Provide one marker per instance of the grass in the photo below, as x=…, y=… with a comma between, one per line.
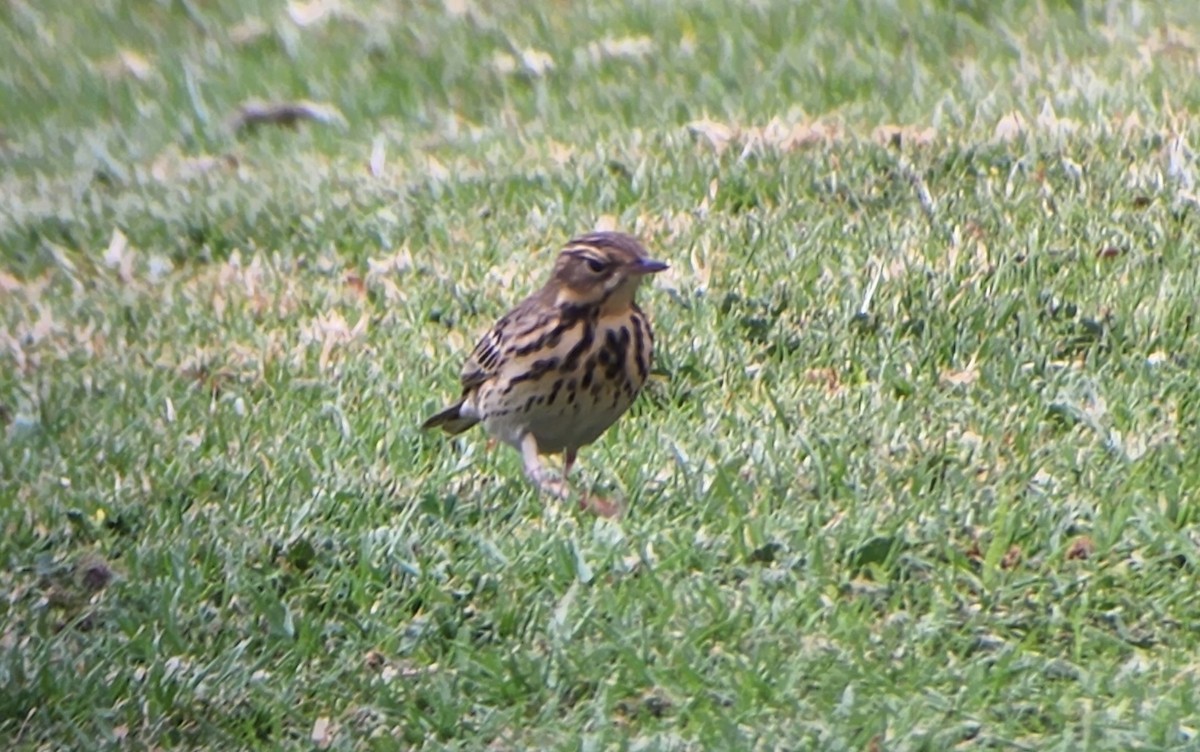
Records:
x=914, y=473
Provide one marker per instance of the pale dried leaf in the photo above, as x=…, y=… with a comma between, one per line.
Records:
x=329, y=331
x=158, y=266
x=437, y=171
x=126, y=64
x=1049, y=122
x=9, y=283
x=119, y=256
x=625, y=48
x=560, y=153
x=1130, y=125
x=504, y=63
x=248, y=31
x=322, y=733
x=606, y=223
x=777, y=135
x=718, y=135
x=687, y=44
x=172, y=165
x=1179, y=162
x=965, y=377
x=135, y=64
x=312, y=12
x=400, y=261
x=378, y=157
x=1009, y=127
x=456, y=8
x=535, y=62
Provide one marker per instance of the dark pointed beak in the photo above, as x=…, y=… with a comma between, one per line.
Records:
x=648, y=266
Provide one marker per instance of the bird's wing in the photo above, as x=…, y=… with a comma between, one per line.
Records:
x=485, y=360
x=492, y=351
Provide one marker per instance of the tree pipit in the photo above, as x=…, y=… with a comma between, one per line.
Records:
x=560, y=368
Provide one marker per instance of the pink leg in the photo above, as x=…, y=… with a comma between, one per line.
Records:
x=536, y=472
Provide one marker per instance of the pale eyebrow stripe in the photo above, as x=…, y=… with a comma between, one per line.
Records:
x=585, y=252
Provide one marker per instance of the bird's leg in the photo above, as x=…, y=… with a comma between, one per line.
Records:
x=536, y=471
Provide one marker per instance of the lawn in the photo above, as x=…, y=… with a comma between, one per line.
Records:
x=912, y=472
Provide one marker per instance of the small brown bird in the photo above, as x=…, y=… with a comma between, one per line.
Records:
x=561, y=367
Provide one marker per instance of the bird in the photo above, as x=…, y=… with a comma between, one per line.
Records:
x=557, y=370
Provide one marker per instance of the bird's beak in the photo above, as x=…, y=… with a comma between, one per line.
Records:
x=648, y=266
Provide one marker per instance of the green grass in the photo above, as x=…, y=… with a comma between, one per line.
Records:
x=914, y=474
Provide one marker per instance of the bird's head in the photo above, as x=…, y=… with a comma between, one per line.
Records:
x=601, y=269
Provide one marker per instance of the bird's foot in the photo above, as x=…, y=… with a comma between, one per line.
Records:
x=609, y=508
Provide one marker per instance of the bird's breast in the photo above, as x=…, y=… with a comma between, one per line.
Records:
x=570, y=388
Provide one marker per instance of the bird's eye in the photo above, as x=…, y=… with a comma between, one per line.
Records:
x=596, y=265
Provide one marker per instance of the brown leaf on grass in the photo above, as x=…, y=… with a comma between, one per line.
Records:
x=653, y=702
x=973, y=230
x=93, y=573
x=355, y=284
x=965, y=377
x=374, y=659
x=826, y=376
x=974, y=552
x=1011, y=558
x=254, y=113
x=1081, y=548
x=900, y=136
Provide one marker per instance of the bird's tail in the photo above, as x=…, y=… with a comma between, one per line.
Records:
x=451, y=420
